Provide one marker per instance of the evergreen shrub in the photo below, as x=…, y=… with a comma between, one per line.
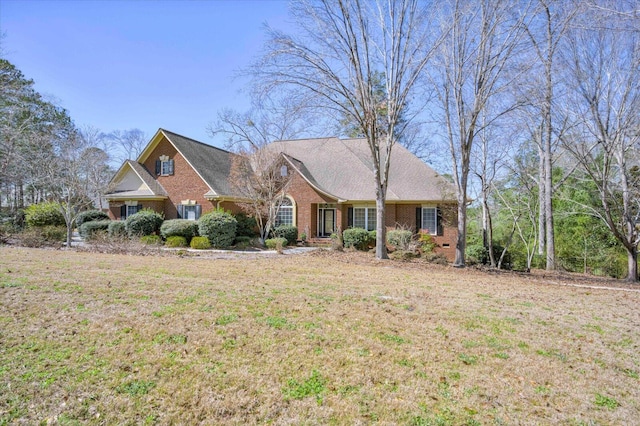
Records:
x=358, y=238
x=89, y=216
x=247, y=226
x=200, y=243
x=88, y=229
x=145, y=222
x=117, y=228
x=151, y=240
x=220, y=227
x=275, y=243
x=176, y=241
x=288, y=232
x=44, y=214
x=179, y=228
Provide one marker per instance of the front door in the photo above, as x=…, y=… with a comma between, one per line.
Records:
x=326, y=222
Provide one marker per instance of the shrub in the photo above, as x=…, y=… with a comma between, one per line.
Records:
x=220, y=227
x=403, y=255
x=88, y=229
x=145, y=222
x=357, y=238
x=242, y=242
x=117, y=228
x=200, y=243
x=400, y=238
x=179, y=228
x=43, y=236
x=44, y=214
x=90, y=216
x=427, y=243
x=437, y=258
x=151, y=240
x=247, y=226
x=288, y=232
x=176, y=241
x=276, y=244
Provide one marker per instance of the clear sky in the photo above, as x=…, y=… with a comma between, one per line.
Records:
x=145, y=64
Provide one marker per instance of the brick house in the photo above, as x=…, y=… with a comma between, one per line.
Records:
x=332, y=186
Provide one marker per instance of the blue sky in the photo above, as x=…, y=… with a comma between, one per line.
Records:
x=144, y=64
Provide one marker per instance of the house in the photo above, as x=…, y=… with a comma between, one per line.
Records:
x=332, y=186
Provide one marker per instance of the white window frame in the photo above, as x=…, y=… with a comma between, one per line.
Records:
x=165, y=168
x=369, y=217
x=289, y=210
x=434, y=219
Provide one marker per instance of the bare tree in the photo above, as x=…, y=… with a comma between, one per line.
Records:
x=488, y=164
x=261, y=178
x=269, y=119
x=550, y=23
x=128, y=144
x=342, y=48
x=603, y=57
x=472, y=70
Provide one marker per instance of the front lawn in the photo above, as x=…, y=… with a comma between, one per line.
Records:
x=321, y=338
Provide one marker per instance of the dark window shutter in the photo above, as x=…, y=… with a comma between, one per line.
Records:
x=123, y=211
x=440, y=225
x=180, y=211
x=198, y=211
x=350, y=217
x=418, y=219
x=158, y=167
x=170, y=167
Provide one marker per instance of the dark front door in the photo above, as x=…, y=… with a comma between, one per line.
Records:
x=326, y=222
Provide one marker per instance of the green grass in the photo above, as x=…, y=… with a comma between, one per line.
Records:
x=329, y=338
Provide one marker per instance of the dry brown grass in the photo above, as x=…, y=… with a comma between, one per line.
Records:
x=325, y=338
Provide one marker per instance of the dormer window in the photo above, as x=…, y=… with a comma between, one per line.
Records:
x=164, y=166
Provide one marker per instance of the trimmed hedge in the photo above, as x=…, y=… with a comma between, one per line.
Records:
x=145, y=222
x=90, y=216
x=357, y=238
x=220, y=227
x=89, y=229
x=44, y=214
x=176, y=241
x=179, y=228
x=117, y=228
x=288, y=232
x=200, y=243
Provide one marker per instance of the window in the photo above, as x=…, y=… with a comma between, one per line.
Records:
x=129, y=209
x=189, y=211
x=430, y=220
x=164, y=166
x=285, y=213
x=364, y=217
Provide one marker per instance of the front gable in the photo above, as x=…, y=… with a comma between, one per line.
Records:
x=133, y=181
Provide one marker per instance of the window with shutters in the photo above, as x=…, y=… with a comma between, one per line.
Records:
x=129, y=209
x=430, y=220
x=189, y=211
x=364, y=217
x=164, y=166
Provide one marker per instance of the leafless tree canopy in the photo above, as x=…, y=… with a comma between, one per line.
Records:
x=343, y=50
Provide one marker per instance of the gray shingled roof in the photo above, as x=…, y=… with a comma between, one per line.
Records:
x=343, y=168
x=213, y=164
